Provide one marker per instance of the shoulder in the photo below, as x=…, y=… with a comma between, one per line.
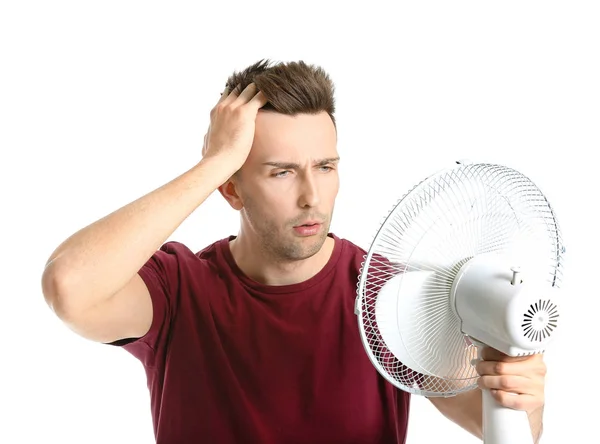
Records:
x=175, y=266
x=352, y=247
x=182, y=250
x=170, y=257
x=177, y=255
x=176, y=248
x=349, y=248
x=352, y=255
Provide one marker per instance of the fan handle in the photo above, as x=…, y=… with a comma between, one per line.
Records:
x=503, y=425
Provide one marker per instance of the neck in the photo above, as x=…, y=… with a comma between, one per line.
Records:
x=259, y=266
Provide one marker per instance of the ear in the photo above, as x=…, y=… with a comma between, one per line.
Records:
x=229, y=190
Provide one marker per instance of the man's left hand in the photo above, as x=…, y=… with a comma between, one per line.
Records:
x=515, y=382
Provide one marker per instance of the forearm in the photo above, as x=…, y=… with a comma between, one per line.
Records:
x=536, y=422
x=464, y=409
x=98, y=260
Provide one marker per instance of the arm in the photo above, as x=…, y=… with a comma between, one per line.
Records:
x=505, y=376
x=102, y=259
x=464, y=410
x=91, y=280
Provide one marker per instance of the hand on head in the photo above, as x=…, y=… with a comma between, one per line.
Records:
x=232, y=124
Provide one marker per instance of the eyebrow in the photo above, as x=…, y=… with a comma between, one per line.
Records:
x=291, y=165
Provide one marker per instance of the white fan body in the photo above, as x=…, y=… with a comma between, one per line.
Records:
x=495, y=306
x=468, y=258
x=499, y=308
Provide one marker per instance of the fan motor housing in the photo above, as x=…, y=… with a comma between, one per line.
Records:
x=499, y=306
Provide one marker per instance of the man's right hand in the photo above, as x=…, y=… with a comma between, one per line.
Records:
x=232, y=125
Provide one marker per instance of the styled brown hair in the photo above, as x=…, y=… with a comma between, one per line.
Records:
x=290, y=88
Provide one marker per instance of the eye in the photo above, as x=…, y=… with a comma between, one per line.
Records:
x=281, y=173
x=325, y=168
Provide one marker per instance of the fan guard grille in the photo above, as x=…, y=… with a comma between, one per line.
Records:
x=436, y=227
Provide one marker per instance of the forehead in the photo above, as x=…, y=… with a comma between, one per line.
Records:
x=285, y=138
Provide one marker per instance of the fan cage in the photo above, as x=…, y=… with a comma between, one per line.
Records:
x=439, y=225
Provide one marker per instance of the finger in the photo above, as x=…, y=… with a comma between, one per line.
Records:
x=510, y=383
x=517, y=402
x=231, y=95
x=247, y=94
x=224, y=94
x=259, y=100
x=491, y=354
x=523, y=368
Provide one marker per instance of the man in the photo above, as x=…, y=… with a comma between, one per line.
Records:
x=254, y=338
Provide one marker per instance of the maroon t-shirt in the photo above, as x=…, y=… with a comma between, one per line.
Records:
x=229, y=360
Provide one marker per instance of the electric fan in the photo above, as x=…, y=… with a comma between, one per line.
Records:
x=471, y=256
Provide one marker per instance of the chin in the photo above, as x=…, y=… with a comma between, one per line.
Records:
x=309, y=246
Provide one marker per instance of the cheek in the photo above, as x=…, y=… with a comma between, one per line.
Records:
x=277, y=190
x=330, y=188
x=276, y=197
x=269, y=202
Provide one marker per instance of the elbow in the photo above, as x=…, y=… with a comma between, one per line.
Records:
x=55, y=288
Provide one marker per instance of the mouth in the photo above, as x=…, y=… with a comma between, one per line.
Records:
x=308, y=229
x=310, y=223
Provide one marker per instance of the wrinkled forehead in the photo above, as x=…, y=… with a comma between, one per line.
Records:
x=293, y=138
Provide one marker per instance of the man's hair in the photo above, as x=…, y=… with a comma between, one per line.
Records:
x=290, y=88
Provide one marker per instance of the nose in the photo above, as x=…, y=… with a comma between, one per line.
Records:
x=309, y=193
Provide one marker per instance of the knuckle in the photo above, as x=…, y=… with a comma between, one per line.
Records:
x=219, y=108
x=508, y=399
x=501, y=396
x=505, y=382
x=499, y=368
x=239, y=111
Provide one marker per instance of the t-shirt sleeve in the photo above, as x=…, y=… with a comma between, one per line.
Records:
x=161, y=276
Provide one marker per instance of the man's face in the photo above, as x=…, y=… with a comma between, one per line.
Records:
x=289, y=183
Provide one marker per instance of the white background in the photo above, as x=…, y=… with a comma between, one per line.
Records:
x=101, y=102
